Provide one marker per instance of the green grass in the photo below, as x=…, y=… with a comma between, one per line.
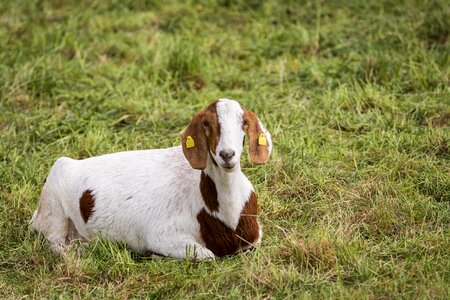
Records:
x=355, y=201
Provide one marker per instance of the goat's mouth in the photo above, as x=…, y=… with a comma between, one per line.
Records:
x=229, y=166
x=226, y=165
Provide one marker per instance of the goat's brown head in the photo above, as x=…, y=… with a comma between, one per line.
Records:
x=219, y=131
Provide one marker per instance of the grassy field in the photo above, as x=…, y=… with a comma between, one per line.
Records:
x=355, y=201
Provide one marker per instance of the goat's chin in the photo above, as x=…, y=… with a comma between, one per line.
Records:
x=229, y=167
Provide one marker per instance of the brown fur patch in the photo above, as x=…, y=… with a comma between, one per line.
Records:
x=248, y=227
x=209, y=192
x=259, y=154
x=221, y=239
x=87, y=203
x=212, y=132
x=204, y=128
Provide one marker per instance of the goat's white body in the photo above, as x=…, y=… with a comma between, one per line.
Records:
x=153, y=200
x=148, y=199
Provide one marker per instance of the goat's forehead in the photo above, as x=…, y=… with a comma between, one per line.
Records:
x=228, y=111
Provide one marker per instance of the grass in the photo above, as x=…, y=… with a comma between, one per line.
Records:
x=355, y=201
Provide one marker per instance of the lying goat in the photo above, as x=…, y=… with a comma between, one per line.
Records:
x=158, y=200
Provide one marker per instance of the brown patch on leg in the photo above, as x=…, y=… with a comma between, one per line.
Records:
x=218, y=237
x=87, y=203
x=221, y=239
x=209, y=192
x=248, y=227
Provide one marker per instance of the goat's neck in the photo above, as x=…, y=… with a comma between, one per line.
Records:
x=233, y=191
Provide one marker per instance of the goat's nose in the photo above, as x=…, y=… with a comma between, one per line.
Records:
x=226, y=154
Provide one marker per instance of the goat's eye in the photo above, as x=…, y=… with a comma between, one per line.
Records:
x=245, y=123
x=205, y=124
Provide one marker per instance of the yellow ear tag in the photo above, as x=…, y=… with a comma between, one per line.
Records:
x=262, y=139
x=190, y=142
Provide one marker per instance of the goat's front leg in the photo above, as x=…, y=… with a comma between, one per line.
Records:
x=182, y=248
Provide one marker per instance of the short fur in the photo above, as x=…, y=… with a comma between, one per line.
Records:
x=173, y=201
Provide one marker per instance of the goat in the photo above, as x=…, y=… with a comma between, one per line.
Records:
x=191, y=200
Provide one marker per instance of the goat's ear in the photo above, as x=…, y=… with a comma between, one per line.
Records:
x=259, y=139
x=193, y=141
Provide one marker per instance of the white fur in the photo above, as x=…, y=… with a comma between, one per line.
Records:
x=229, y=114
x=148, y=199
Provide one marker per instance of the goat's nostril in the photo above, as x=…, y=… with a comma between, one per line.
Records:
x=226, y=154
